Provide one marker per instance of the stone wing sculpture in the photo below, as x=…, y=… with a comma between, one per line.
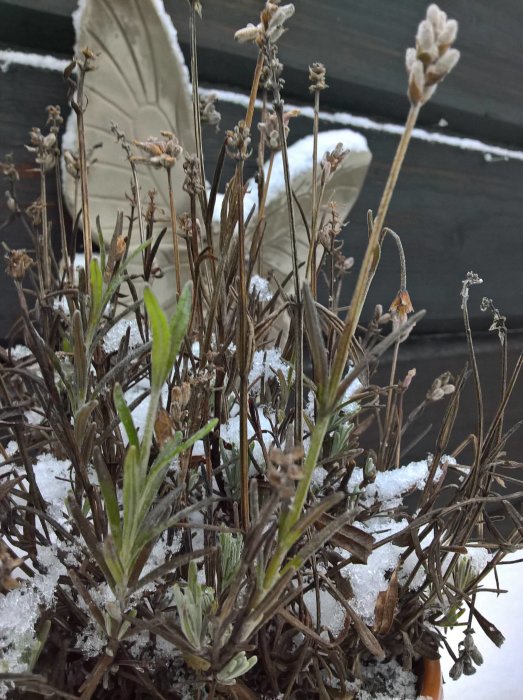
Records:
x=141, y=83
x=343, y=188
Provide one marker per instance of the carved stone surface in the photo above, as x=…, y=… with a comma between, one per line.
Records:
x=142, y=84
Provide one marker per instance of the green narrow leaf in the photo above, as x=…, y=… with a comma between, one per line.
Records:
x=160, y=353
x=89, y=536
x=161, y=464
x=125, y=416
x=131, y=495
x=82, y=417
x=113, y=561
x=149, y=534
x=180, y=322
x=109, y=496
x=316, y=342
x=97, y=306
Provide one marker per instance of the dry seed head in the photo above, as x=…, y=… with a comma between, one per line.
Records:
x=54, y=117
x=161, y=152
x=193, y=182
x=208, y=112
x=457, y=670
x=471, y=279
x=432, y=59
x=72, y=164
x=332, y=159
x=442, y=386
x=401, y=307
x=18, y=262
x=44, y=148
x=270, y=128
x=270, y=28
x=317, y=74
x=87, y=59
x=238, y=141
x=283, y=479
x=34, y=212
x=8, y=169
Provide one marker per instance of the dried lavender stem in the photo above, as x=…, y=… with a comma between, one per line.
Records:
x=390, y=392
x=243, y=357
x=298, y=313
x=87, y=235
x=358, y=298
x=312, y=265
x=63, y=235
x=196, y=116
x=45, y=233
x=176, y=248
x=254, y=90
x=261, y=213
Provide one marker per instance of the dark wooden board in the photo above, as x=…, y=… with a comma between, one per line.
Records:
x=362, y=44
x=453, y=210
x=25, y=94
x=431, y=356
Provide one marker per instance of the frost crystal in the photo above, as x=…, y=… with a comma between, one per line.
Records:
x=391, y=485
x=259, y=288
x=386, y=681
x=479, y=557
x=332, y=611
x=266, y=364
x=54, y=481
x=230, y=432
x=367, y=580
x=114, y=336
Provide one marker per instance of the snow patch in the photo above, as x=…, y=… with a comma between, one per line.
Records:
x=259, y=288
x=332, y=611
x=113, y=337
x=368, y=580
x=10, y=58
x=366, y=124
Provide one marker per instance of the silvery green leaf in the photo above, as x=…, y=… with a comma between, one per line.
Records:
x=236, y=667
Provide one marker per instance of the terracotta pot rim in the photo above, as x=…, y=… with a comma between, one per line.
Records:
x=432, y=680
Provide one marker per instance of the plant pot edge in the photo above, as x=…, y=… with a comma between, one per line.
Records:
x=432, y=679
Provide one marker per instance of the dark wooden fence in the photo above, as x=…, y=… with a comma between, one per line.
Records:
x=455, y=209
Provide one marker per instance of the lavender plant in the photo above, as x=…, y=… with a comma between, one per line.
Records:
x=191, y=508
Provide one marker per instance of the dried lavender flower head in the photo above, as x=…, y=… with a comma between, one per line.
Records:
x=433, y=58
x=239, y=141
x=270, y=28
x=270, y=128
x=317, y=74
x=161, y=152
x=17, y=264
x=332, y=160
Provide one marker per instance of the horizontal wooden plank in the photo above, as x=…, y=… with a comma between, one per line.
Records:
x=361, y=43
x=363, y=46
x=453, y=210
x=434, y=354
x=37, y=26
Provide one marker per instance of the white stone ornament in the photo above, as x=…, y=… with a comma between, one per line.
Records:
x=141, y=83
